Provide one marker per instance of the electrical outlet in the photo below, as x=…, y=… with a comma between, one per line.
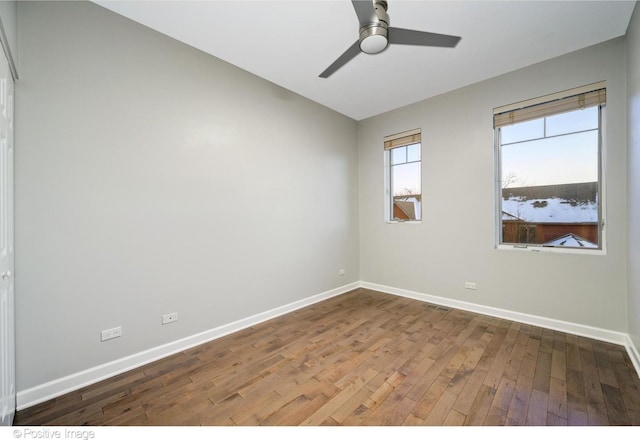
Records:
x=342, y=272
x=111, y=333
x=470, y=285
x=169, y=318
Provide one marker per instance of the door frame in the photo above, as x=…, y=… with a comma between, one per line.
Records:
x=7, y=343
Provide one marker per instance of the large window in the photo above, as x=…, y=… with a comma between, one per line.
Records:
x=550, y=175
x=404, y=181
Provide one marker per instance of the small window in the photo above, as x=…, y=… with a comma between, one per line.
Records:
x=549, y=170
x=403, y=157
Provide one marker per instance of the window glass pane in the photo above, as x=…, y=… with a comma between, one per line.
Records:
x=405, y=199
x=522, y=131
x=413, y=153
x=405, y=179
x=550, y=191
x=570, y=122
x=398, y=155
x=406, y=202
x=565, y=159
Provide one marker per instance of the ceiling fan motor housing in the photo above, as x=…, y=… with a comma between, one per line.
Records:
x=374, y=37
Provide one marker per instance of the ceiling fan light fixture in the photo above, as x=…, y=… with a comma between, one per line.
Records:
x=373, y=39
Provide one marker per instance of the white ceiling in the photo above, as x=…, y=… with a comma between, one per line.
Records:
x=290, y=42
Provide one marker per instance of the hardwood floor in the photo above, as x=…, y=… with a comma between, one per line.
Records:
x=368, y=358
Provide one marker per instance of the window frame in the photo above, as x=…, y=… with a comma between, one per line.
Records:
x=601, y=223
x=405, y=139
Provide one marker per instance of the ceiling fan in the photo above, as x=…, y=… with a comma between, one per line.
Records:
x=376, y=34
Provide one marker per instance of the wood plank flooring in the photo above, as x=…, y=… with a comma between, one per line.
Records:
x=368, y=358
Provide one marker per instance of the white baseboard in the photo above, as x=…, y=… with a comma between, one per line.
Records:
x=42, y=393
x=634, y=355
x=539, y=321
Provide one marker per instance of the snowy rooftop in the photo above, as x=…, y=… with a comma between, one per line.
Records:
x=572, y=203
x=571, y=240
x=549, y=211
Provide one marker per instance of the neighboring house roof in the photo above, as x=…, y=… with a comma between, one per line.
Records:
x=571, y=240
x=568, y=203
x=579, y=192
x=507, y=216
x=407, y=207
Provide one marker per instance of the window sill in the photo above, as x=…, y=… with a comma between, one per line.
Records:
x=410, y=222
x=550, y=250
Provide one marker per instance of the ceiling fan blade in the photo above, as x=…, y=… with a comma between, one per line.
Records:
x=419, y=38
x=365, y=11
x=342, y=60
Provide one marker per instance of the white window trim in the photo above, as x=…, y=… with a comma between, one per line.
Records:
x=388, y=215
x=602, y=180
x=549, y=250
x=387, y=191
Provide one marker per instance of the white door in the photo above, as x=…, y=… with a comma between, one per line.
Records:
x=7, y=341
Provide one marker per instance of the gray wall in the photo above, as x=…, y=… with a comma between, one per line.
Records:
x=455, y=241
x=633, y=90
x=152, y=178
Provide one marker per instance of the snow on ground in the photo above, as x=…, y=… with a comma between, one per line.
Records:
x=552, y=210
